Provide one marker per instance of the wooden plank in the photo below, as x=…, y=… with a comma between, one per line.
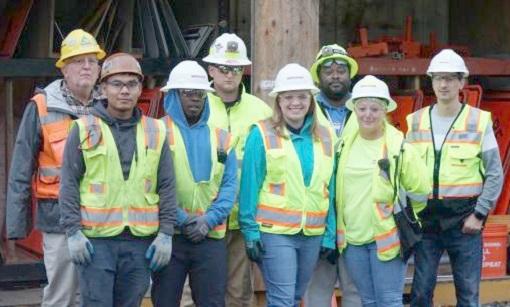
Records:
x=279, y=39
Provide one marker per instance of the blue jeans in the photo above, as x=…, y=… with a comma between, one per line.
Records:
x=287, y=266
x=118, y=274
x=379, y=283
x=465, y=252
x=206, y=265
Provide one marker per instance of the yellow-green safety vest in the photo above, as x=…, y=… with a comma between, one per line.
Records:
x=237, y=120
x=384, y=228
x=459, y=173
x=108, y=202
x=196, y=197
x=286, y=205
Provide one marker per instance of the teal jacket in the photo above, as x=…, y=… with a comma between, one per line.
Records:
x=254, y=172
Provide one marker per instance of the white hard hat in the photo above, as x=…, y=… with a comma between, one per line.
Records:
x=293, y=77
x=228, y=49
x=447, y=61
x=188, y=75
x=371, y=87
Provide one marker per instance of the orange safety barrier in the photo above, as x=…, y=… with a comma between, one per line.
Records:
x=495, y=242
x=406, y=104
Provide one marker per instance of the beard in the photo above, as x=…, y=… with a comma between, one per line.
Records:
x=335, y=94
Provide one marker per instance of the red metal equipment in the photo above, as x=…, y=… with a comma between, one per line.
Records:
x=366, y=49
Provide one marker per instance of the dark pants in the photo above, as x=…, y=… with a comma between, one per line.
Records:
x=465, y=253
x=206, y=264
x=118, y=274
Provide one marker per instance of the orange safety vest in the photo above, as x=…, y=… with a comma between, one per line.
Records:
x=55, y=128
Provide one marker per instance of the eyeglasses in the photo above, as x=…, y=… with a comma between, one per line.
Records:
x=327, y=51
x=329, y=63
x=447, y=78
x=193, y=92
x=119, y=85
x=83, y=61
x=236, y=70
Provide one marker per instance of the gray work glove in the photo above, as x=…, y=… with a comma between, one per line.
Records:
x=255, y=250
x=159, y=252
x=80, y=248
x=196, y=229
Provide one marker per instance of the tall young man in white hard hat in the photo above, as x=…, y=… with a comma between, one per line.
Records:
x=117, y=197
x=332, y=71
x=460, y=150
x=233, y=109
x=206, y=184
x=37, y=158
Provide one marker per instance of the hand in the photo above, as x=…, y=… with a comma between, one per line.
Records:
x=254, y=250
x=159, y=252
x=472, y=225
x=196, y=229
x=188, y=225
x=80, y=248
x=329, y=254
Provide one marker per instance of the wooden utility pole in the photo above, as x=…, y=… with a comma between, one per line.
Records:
x=282, y=32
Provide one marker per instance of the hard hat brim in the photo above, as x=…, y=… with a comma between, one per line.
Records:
x=231, y=62
x=353, y=65
x=168, y=87
x=392, y=104
x=314, y=90
x=100, y=54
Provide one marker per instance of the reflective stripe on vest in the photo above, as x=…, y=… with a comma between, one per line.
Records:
x=387, y=241
x=196, y=197
x=285, y=205
x=54, y=129
x=108, y=202
x=466, y=133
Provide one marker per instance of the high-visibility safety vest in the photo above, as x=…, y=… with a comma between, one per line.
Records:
x=237, y=120
x=383, y=192
x=55, y=128
x=286, y=205
x=108, y=202
x=456, y=170
x=196, y=197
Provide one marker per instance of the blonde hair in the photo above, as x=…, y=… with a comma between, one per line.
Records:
x=278, y=121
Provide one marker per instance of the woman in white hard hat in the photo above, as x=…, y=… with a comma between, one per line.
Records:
x=375, y=167
x=286, y=213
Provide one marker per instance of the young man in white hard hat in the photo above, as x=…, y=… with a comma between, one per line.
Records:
x=117, y=197
x=206, y=184
x=460, y=150
x=332, y=71
x=37, y=157
x=233, y=109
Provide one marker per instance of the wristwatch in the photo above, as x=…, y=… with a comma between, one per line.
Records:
x=480, y=216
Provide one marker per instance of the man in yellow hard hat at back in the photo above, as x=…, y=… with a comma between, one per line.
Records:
x=37, y=158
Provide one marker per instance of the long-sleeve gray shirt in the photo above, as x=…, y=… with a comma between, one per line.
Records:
x=124, y=134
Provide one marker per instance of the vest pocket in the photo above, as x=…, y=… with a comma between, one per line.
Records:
x=57, y=143
x=276, y=164
x=95, y=195
x=463, y=159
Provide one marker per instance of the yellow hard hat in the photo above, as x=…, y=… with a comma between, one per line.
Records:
x=76, y=43
x=333, y=52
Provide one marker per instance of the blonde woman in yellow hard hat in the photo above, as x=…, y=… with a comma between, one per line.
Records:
x=376, y=171
x=37, y=158
x=286, y=212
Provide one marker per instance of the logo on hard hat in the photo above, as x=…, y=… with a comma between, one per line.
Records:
x=232, y=46
x=197, y=77
x=218, y=47
x=85, y=40
x=295, y=78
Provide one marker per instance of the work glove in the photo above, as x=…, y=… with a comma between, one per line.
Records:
x=254, y=250
x=159, y=252
x=80, y=248
x=196, y=229
x=329, y=254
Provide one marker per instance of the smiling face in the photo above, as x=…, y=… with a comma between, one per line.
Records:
x=447, y=86
x=370, y=113
x=294, y=106
x=122, y=92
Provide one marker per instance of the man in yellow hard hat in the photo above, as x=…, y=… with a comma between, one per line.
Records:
x=117, y=198
x=37, y=158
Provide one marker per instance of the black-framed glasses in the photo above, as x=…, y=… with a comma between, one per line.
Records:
x=193, y=93
x=236, y=70
x=327, y=51
x=119, y=85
